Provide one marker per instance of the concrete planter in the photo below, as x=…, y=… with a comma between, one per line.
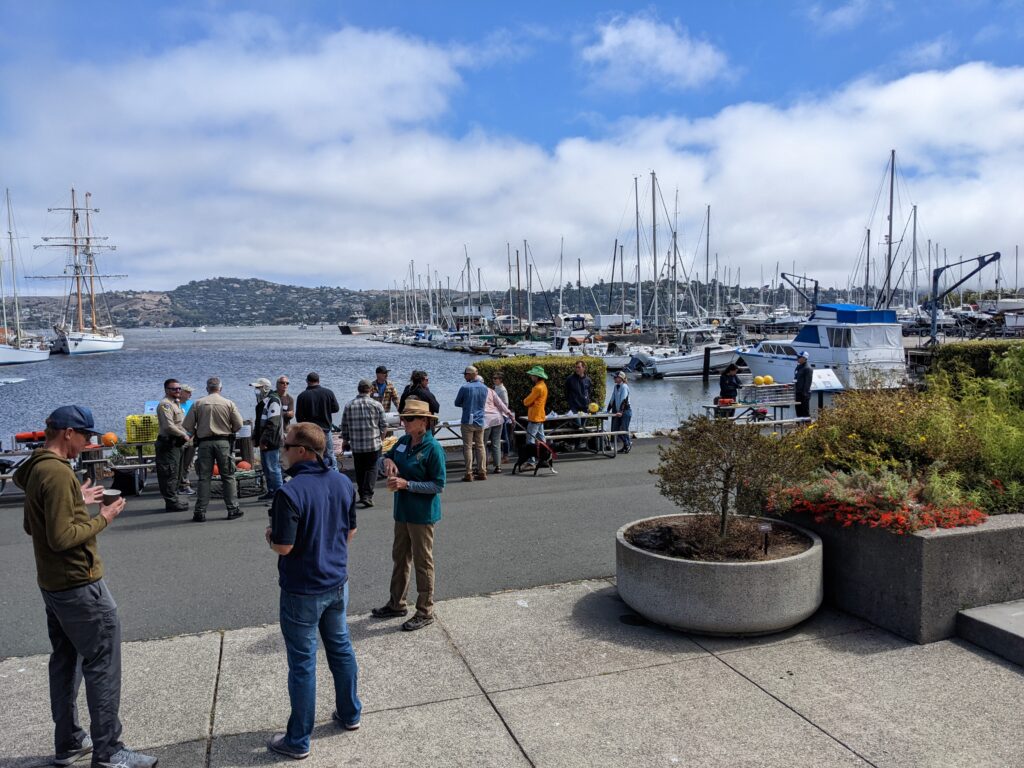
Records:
x=754, y=598
x=915, y=585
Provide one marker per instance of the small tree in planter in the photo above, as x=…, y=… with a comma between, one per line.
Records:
x=719, y=468
x=707, y=572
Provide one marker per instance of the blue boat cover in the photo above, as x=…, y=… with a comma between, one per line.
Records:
x=857, y=313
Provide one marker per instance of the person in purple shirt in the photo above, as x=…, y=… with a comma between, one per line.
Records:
x=472, y=398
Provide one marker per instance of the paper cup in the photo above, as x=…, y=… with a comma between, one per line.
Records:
x=110, y=495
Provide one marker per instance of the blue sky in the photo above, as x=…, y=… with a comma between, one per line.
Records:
x=332, y=143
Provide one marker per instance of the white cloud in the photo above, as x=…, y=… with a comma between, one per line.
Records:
x=636, y=52
x=321, y=163
x=841, y=18
x=932, y=53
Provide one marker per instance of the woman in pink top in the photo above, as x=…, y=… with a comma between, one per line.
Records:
x=495, y=415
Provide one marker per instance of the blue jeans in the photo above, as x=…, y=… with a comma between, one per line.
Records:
x=329, y=456
x=622, y=423
x=272, y=468
x=301, y=616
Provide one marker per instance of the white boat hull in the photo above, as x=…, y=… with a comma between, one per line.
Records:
x=692, y=363
x=887, y=374
x=82, y=343
x=16, y=355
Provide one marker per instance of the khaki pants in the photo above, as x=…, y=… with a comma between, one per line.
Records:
x=414, y=545
x=473, y=449
x=208, y=453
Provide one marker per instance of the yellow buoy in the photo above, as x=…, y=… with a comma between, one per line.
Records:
x=769, y=380
x=758, y=381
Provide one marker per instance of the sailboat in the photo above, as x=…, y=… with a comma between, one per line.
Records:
x=79, y=332
x=16, y=347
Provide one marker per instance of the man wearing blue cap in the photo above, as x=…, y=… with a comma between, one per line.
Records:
x=804, y=377
x=81, y=615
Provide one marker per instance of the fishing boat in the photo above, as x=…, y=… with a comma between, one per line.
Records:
x=863, y=346
x=16, y=346
x=80, y=330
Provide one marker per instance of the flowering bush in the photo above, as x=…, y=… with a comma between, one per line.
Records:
x=879, y=500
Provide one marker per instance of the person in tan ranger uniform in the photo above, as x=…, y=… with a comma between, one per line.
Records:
x=188, y=451
x=213, y=421
x=81, y=615
x=170, y=441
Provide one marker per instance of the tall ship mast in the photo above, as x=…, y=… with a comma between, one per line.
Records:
x=84, y=326
x=16, y=346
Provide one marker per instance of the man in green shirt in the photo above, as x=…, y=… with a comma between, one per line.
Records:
x=81, y=616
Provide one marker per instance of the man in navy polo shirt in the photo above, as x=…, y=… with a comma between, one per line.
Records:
x=312, y=521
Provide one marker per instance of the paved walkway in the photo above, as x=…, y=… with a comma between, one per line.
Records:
x=561, y=676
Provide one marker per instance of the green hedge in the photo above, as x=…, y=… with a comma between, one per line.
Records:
x=557, y=368
x=978, y=356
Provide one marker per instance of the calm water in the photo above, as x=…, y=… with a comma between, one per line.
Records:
x=119, y=383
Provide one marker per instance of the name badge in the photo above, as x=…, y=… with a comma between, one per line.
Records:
x=400, y=448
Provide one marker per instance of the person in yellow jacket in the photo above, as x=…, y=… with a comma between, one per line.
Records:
x=536, y=405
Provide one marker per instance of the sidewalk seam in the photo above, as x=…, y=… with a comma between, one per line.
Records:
x=213, y=704
x=796, y=712
x=501, y=717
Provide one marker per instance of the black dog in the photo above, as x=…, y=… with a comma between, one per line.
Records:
x=543, y=453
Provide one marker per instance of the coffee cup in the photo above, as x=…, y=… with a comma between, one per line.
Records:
x=110, y=495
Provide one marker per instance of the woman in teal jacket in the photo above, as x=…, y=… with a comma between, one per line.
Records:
x=415, y=469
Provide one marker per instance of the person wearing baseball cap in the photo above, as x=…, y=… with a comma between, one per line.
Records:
x=472, y=398
x=536, y=413
x=81, y=615
x=268, y=434
x=383, y=390
x=170, y=441
x=804, y=378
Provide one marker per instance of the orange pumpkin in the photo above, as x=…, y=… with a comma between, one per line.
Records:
x=244, y=465
x=109, y=439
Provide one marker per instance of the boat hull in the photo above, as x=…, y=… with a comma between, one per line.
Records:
x=17, y=355
x=886, y=374
x=80, y=343
x=693, y=363
x=354, y=330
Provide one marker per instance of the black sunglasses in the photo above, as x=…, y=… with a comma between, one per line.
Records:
x=298, y=445
x=174, y=389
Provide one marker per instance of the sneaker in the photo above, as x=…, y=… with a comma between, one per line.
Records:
x=276, y=744
x=480, y=477
x=186, y=492
x=387, y=612
x=347, y=726
x=367, y=503
x=467, y=478
x=72, y=755
x=176, y=507
x=125, y=758
x=235, y=515
x=199, y=518
x=554, y=471
x=417, y=622
x=496, y=470
x=265, y=496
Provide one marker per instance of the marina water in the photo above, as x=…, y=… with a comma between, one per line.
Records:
x=119, y=383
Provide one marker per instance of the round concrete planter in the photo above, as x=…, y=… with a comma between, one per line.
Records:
x=754, y=598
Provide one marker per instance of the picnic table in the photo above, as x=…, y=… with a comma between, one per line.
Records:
x=751, y=411
x=593, y=430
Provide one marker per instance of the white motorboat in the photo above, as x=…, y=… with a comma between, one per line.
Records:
x=16, y=346
x=357, y=323
x=862, y=346
x=689, y=357
x=79, y=331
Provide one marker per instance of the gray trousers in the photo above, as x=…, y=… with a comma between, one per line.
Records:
x=85, y=634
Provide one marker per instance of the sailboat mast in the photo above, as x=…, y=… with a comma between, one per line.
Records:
x=914, y=256
x=3, y=293
x=90, y=261
x=639, y=297
x=654, y=247
x=887, y=295
x=77, y=265
x=622, y=281
x=707, y=262
x=867, y=266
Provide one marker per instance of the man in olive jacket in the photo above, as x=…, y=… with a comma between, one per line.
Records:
x=81, y=616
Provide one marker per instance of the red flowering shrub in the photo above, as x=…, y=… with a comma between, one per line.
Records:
x=885, y=500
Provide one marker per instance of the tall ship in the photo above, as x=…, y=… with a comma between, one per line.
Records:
x=16, y=346
x=85, y=325
x=863, y=346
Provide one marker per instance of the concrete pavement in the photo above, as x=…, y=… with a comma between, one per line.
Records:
x=564, y=675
